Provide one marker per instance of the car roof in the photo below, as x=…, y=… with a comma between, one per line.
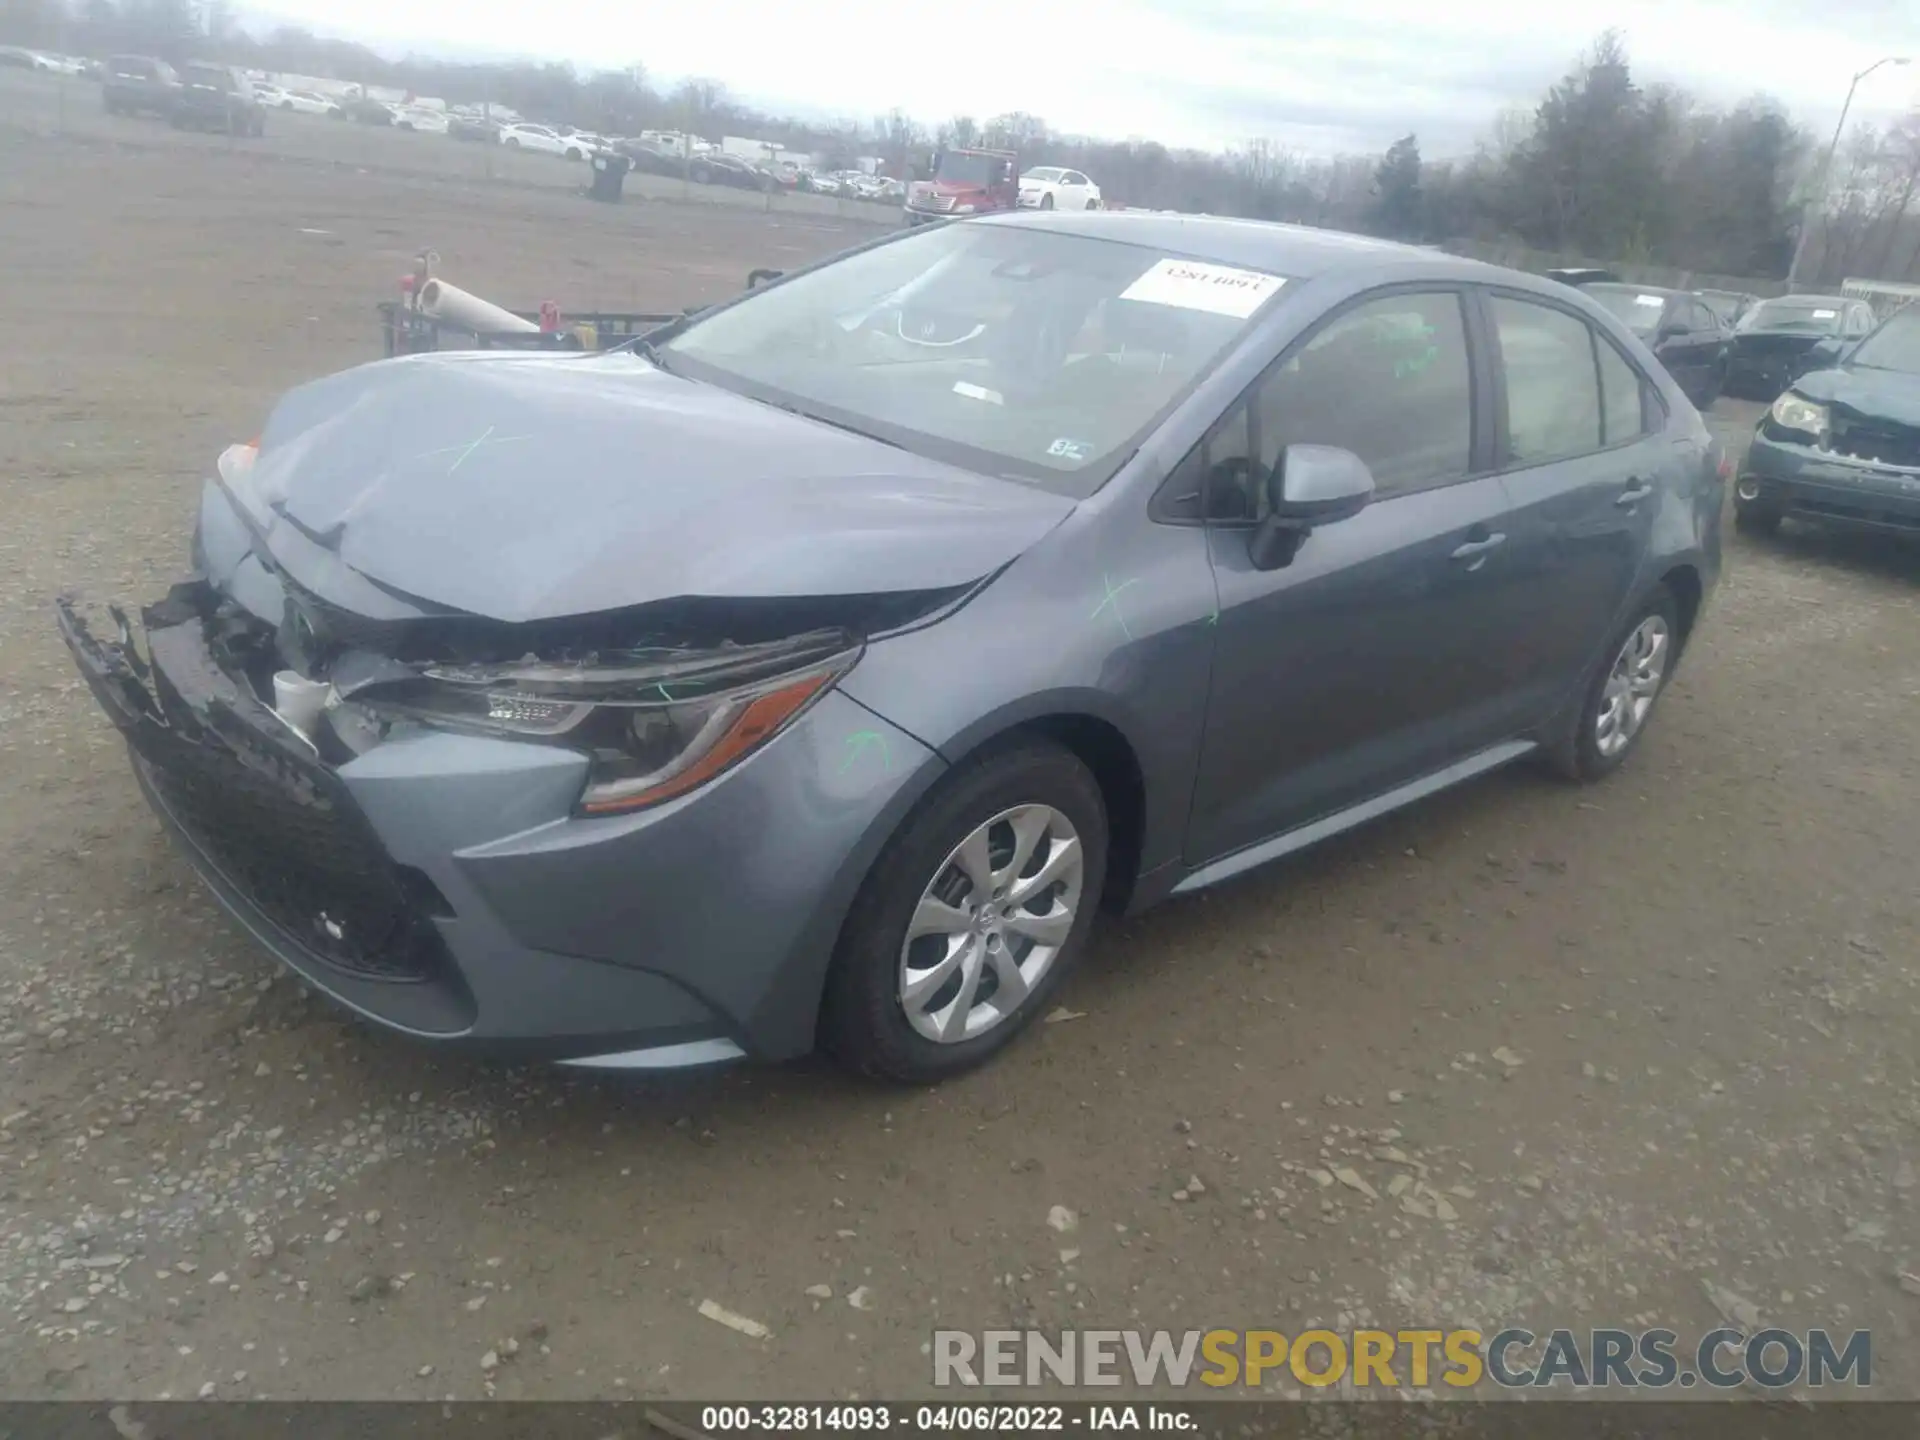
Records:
x=1813, y=300
x=1297, y=251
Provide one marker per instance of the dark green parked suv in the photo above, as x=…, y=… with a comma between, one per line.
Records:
x=217, y=97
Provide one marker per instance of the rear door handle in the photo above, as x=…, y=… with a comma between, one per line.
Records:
x=1474, y=552
x=1636, y=491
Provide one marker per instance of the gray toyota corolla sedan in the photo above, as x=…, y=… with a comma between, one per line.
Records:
x=814, y=670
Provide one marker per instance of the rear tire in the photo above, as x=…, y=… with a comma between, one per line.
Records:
x=865, y=1021
x=1609, y=719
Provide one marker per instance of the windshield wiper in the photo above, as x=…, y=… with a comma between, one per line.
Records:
x=792, y=409
x=649, y=351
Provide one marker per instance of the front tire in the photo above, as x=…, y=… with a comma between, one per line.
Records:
x=973, y=915
x=1618, y=702
x=1046, y=202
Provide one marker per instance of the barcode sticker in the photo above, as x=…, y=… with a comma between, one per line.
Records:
x=1191, y=285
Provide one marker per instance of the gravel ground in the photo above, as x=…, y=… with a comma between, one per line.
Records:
x=1641, y=1054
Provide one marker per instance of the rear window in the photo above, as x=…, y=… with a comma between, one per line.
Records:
x=1635, y=306
x=132, y=66
x=212, y=75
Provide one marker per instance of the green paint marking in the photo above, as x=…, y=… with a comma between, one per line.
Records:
x=860, y=742
x=1113, y=599
x=486, y=437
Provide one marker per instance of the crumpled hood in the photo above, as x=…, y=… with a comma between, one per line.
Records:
x=531, y=486
x=1871, y=394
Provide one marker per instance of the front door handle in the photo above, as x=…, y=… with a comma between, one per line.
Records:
x=1473, y=554
x=1636, y=491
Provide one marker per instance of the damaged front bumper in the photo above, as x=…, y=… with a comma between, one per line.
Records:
x=1826, y=488
x=444, y=885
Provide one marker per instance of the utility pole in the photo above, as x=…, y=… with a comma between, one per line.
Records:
x=1818, y=204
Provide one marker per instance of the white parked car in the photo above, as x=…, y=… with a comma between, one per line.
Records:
x=307, y=102
x=584, y=144
x=419, y=117
x=1048, y=187
x=540, y=139
x=272, y=96
x=49, y=64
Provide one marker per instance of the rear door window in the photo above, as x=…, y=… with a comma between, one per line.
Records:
x=1552, y=381
x=1622, y=396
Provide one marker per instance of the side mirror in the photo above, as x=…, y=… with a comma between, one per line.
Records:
x=1669, y=330
x=1313, y=485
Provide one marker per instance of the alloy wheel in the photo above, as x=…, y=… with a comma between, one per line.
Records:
x=990, y=924
x=1632, y=686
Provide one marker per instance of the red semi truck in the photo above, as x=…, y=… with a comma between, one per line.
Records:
x=965, y=181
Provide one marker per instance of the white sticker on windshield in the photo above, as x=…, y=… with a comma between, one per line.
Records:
x=978, y=392
x=1649, y=300
x=1078, y=451
x=1190, y=285
x=1825, y=314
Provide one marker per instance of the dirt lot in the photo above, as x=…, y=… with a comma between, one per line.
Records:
x=1653, y=1042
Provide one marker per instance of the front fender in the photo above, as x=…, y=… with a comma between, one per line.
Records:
x=1112, y=623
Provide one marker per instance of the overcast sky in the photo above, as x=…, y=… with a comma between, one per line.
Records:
x=1324, y=76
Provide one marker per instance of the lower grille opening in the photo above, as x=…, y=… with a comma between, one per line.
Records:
x=305, y=864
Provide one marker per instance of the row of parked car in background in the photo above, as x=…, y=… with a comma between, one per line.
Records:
x=210, y=95
x=1839, y=442
x=1721, y=342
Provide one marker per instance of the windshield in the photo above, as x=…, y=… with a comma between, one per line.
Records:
x=1639, y=309
x=1011, y=350
x=959, y=168
x=1046, y=175
x=1724, y=303
x=1894, y=346
x=1815, y=317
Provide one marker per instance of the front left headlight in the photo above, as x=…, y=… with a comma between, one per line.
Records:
x=1794, y=412
x=651, y=731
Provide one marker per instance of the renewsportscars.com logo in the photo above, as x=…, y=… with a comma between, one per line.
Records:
x=1461, y=1359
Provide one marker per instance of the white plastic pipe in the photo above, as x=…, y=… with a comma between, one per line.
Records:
x=449, y=302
